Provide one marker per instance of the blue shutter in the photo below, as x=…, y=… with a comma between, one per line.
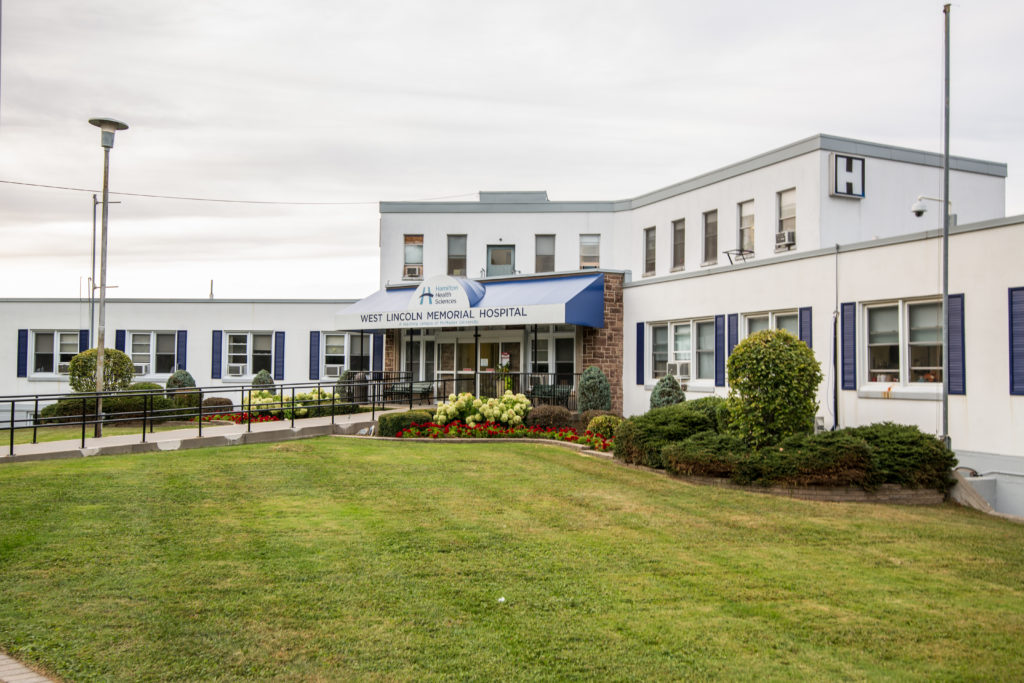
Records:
x=378, y=351
x=734, y=331
x=805, y=326
x=848, y=325
x=279, y=356
x=957, y=369
x=22, y=353
x=119, y=337
x=181, y=350
x=83, y=340
x=1017, y=341
x=719, y=350
x=314, y=355
x=640, y=353
x=217, y=351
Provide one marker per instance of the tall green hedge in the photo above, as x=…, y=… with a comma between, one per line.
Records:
x=118, y=371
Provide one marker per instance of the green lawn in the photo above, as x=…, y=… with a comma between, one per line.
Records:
x=23, y=435
x=333, y=559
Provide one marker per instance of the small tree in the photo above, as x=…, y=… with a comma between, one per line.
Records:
x=774, y=378
x=667, y=392
x=181, y=379
x=595, y=392
x=118, y=371
x=263, y=380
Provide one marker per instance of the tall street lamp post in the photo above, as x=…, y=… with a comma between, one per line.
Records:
x=108, y=128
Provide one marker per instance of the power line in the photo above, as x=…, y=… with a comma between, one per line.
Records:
x=221, y=201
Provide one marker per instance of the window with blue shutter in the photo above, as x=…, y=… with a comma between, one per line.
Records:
x=719, y=350
x=22, y=353
x=848, y=344
x=957, y=357
x=734, y=331
x=1017, y=341
x=314, y=355
x=181, y=350
x=279, y=356
x=805, y=326
x=119, y=340
x=216, y=354
x=83, y=340
x=640, y=353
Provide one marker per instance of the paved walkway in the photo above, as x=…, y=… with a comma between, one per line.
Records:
x=13, y=671
x=188, y=437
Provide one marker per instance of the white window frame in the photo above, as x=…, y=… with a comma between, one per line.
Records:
x=150, y=360
x=693, y=383
x=456, y=272
x=588, y=262
x=901, y=385
x=55, y=352
x=782, y=215
x=773, y=320
x=409, y=240
x=324, y=356
x=679, y=255
x=748, y=207
x=654, y=372
x=537, y=255
x=650, y=250
x=247, y=371
x=708, y=259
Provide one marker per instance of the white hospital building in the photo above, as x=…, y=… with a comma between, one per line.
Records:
x=816, y=237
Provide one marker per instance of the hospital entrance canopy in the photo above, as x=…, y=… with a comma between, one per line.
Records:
x=445, y=301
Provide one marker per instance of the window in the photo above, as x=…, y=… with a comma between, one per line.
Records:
x=710, y=238
x=334, y=354
x=706, y=349
x=359, y=352
x=456, y=255
x=788, y=320
x=590, y=251
x=747, y=226
x=153, y=353
x=678, y=244
x=413, y=268
x=659, y=350
x=249, y=352
x=904, y=342
x=650, y=237
x=501, y=260
x=54, y=350
x=545, y=254
x=787, y=218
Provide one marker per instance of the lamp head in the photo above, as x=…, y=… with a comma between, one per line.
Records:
x=108, y=128
x=919, y=208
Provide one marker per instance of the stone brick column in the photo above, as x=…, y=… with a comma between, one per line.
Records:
x=603, y=347
x=392, y=341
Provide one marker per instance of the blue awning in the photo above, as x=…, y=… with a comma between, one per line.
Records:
x=572, y=300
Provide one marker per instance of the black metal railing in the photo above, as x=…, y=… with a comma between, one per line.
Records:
x=364, y=392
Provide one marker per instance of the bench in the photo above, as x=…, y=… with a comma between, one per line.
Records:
x=551, y=394
x=401, y=389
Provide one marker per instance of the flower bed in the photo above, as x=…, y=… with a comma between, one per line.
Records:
x=239, y=418
x=493, y=430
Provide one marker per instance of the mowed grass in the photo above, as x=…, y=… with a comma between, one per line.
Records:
x=23, y=435
x=333, y=559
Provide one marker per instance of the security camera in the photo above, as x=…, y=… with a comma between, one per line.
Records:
x=918, y=208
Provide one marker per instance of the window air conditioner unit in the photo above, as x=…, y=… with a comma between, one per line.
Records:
x=333, y=370
x=236, y=369
x=680, y=370
x=786, y=238
x=63, y=368
x=412, y=273
x=141, y=368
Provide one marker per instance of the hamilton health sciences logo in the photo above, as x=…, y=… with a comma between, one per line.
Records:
x=426, y=296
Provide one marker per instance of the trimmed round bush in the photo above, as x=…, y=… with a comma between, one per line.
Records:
x=639, y=440
x=180, y=379
x=264, y=381
x=605, y=425
x=904, y=455
x=390, y=424
x=667, y=392
x=118, y=371
x=145, y=386
x=550, y=416
x=67, y=410
x=595, y=391
x=774, y=379
x=217, y=404
x=705, y=454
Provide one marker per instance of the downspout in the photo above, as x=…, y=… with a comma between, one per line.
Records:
x=835, y=346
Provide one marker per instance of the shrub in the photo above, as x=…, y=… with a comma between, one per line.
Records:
x=509, y=409
x=390, y=424
x=216, y=403
x=185, y=398
x=118, y=371
x=67, y=410
x=595, y=392
x=705, y=454
x=264, y=381
x=667, y=392
x=774, y=378
x=604, y=425
x=344, y=388
x=902, y=454
x=640, y=439
x=827, y=459
x=145, y=386
x=715, y=408
x=180, y=379
x=545, y=416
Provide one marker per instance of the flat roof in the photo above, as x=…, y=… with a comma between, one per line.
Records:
x=536, y=201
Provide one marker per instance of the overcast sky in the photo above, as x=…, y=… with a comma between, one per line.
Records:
x=357, y=102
